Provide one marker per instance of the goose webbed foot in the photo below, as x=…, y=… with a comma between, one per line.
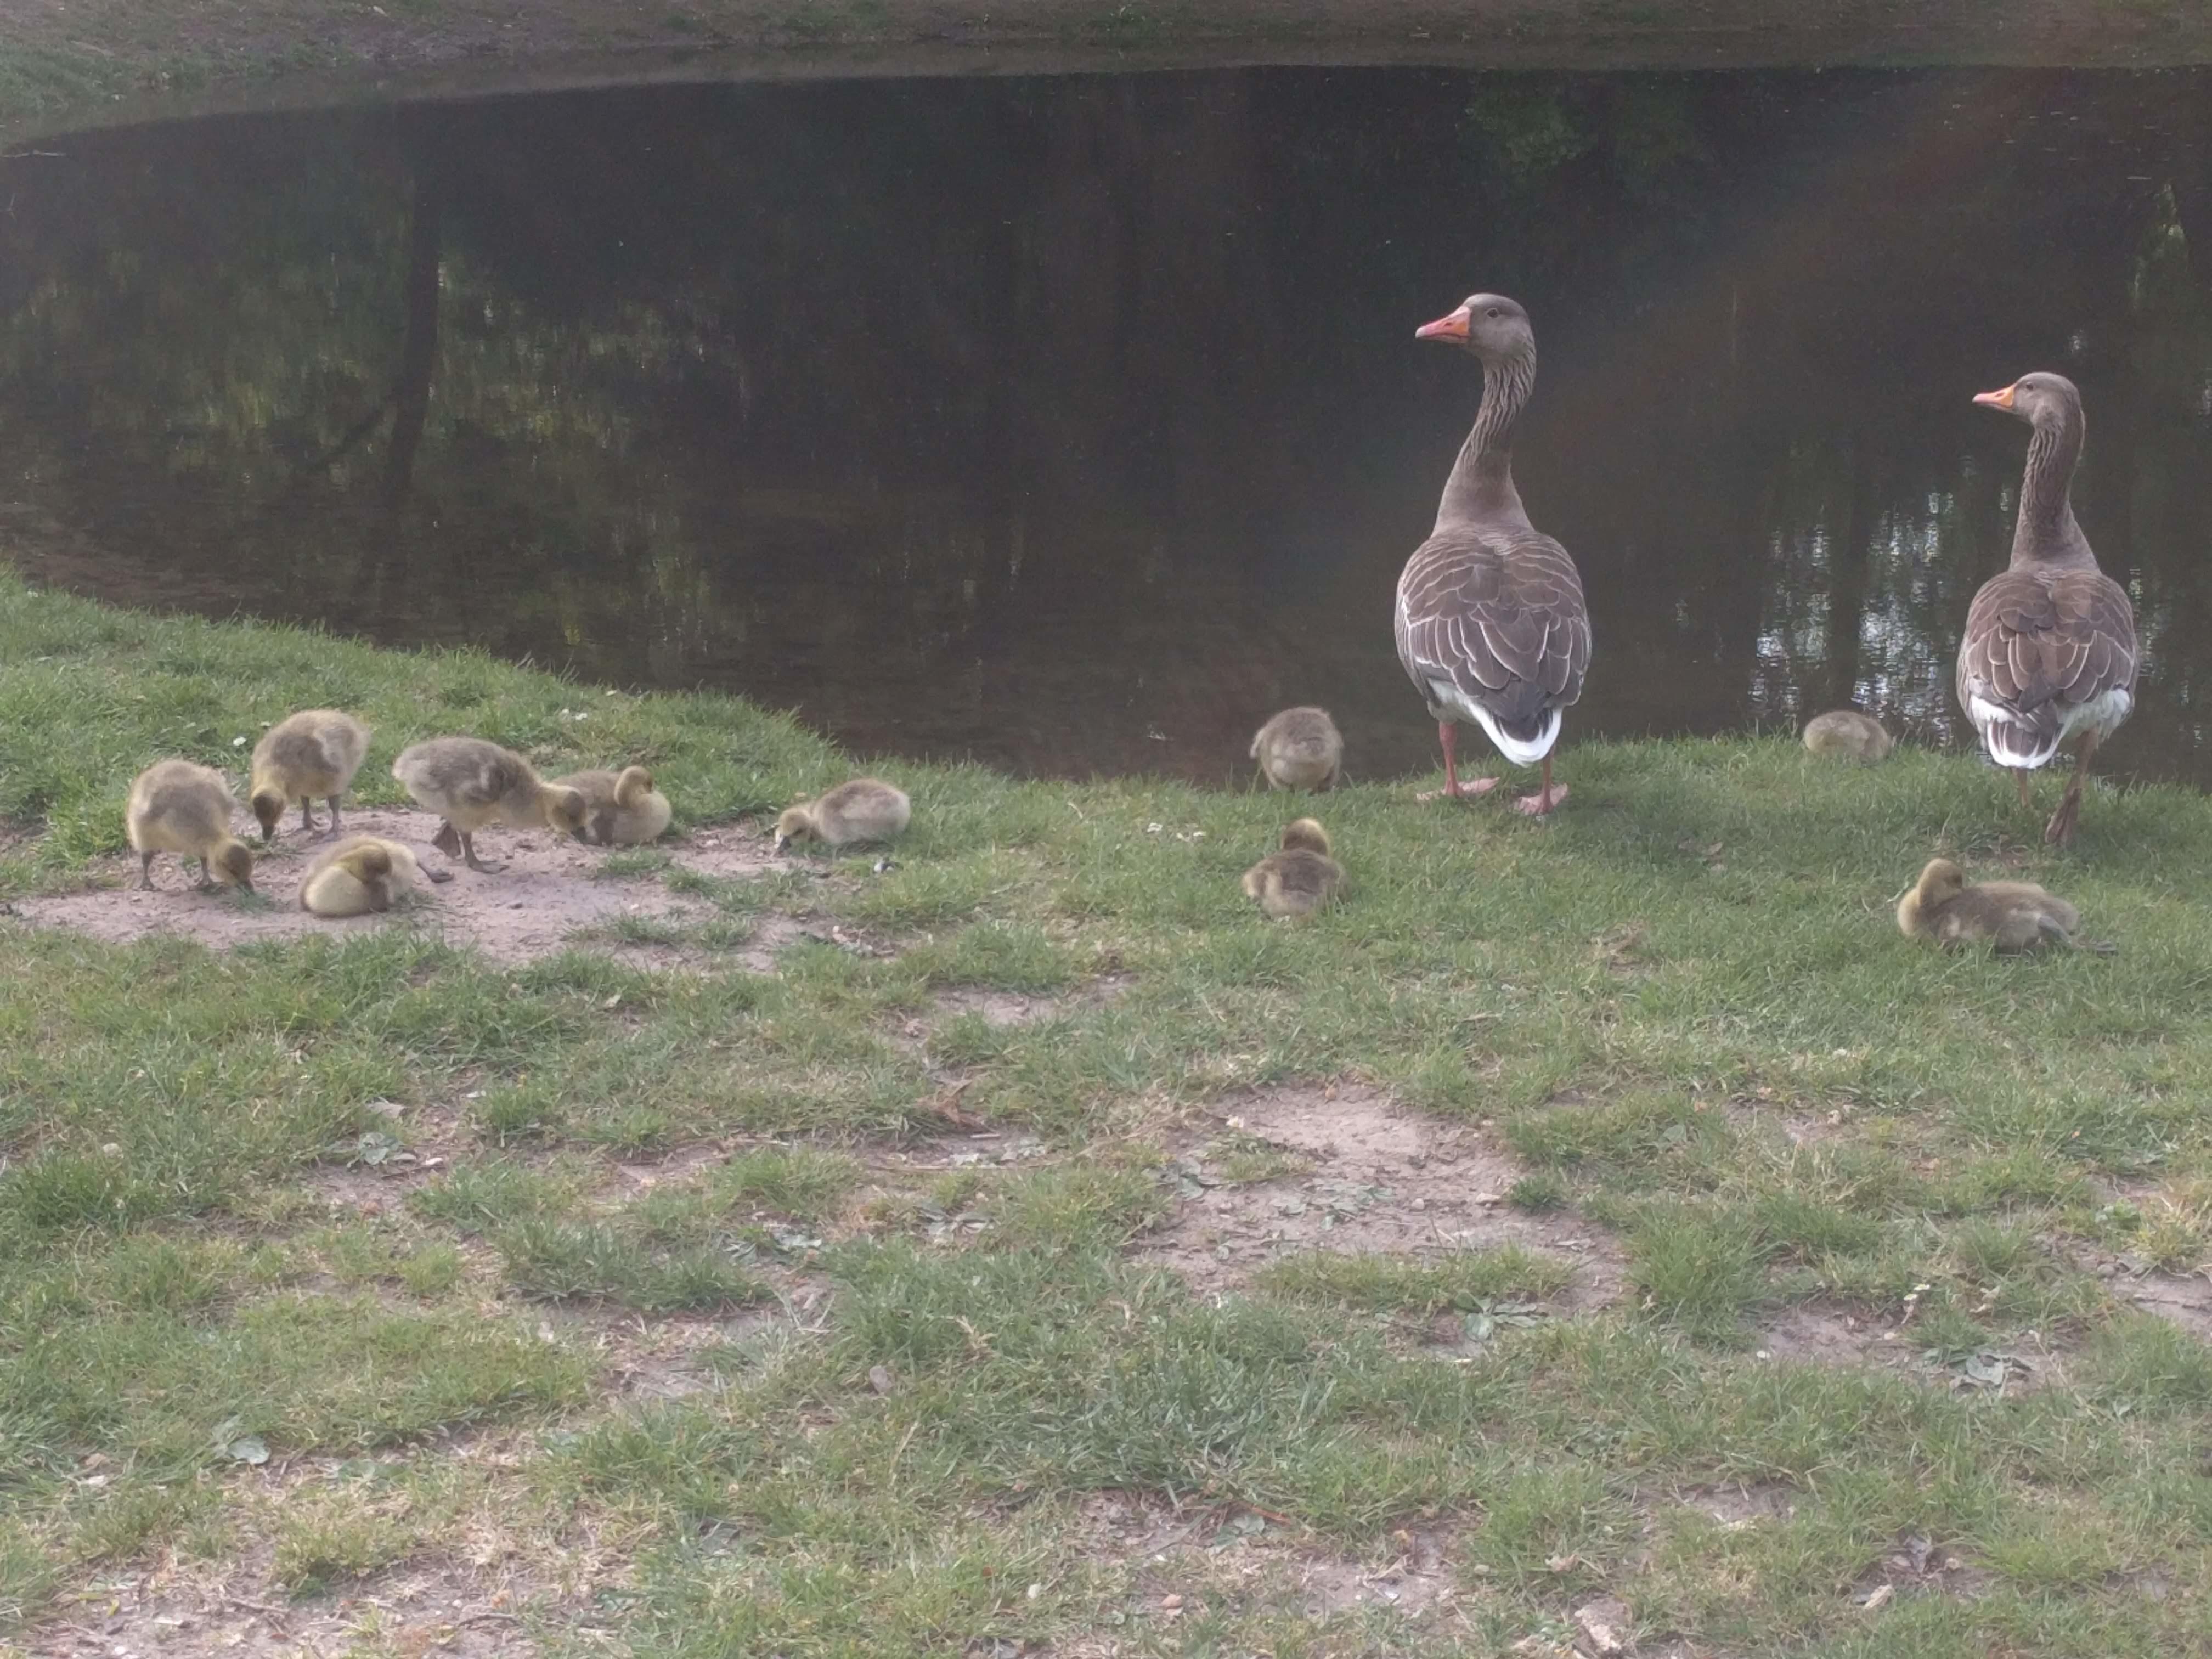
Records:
x=2060, y=832
x=469, y=857
x=1460, y=789
x=1454, y=789
x=1538, y=805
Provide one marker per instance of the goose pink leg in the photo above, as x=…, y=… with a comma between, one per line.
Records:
x=1544, y=800
x=1454, y=789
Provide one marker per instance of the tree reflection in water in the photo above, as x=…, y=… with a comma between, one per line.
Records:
x=1076, y=423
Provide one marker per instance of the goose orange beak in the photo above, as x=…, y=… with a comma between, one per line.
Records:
x=1996, y=399
x=1453, y=327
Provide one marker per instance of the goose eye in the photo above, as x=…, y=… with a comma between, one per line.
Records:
x=1492, y=314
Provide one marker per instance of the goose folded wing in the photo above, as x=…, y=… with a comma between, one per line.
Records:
x=1488, y=619
x=2033, y=641
x=490, y=784
x=2099, y=627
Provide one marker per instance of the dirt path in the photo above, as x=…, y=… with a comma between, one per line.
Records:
x=548, y=892
x=98, y=62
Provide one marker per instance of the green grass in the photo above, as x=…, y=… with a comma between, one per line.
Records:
x=701, y=1294
x=1463, y=1281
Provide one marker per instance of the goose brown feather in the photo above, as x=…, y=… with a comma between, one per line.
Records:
x=1497, y=613
x=2040, y=645
x=1491, y=622
x=1300, y=880
x=2048, y=657
x=2011, y=915
x=470, y=783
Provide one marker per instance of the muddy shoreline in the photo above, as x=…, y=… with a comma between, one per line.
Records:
x=118, y=61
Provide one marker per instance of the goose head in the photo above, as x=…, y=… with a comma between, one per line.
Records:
x=565, y=810
x=366, y=864
x=1941, y=882
x=796, y=822
x=1491, y=326
x=2041, y=399
x=268, y=812
x=233, y=863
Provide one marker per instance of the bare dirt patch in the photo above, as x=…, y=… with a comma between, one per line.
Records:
x=2186, y=1299
x=729, y=852
x=1014, y=1008
x=770, y=935
x=1815, y=1334
x=1377, y=1178
x=547, y=895
x=368, y=1191
x=389, y=1160
x=998, y=1007
x=1411, y=1582
x=438, y=1605
x=1189, y=1559
x=1743, y=1505
x=1798, y=1126
x=633, y=1177
x=1919, y=1564
x=657, y=1359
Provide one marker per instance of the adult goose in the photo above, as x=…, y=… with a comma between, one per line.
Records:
x=2049, y=656
x=1491, y=627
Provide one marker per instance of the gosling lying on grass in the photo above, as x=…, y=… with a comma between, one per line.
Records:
x=314, y=752
x=1301, y=879
x=357, y=876
x=176, y=806
x=2012, y=915
x=1848, y=734
x=1299, y=749
x=471, y=783
x=619, y=807
x=864, y=810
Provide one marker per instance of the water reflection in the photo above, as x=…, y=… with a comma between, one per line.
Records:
x=1076, y=423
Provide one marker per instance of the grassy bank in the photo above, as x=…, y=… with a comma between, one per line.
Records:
x=372, y=1290
x=96, y=60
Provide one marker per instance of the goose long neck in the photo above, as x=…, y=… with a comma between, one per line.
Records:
x=1481, y=482
x=2046, y=530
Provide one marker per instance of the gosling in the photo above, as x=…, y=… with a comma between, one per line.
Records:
x=1848, y=734
x=864, y=810
x=357, y=876
x=620, y=807
x=178, y=807
x=1301, y=879
x=315, y=752
x=471, y=783
x=1299, y=749
x=2012, y=915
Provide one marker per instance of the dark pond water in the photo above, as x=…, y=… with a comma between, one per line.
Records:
x=1075, y=423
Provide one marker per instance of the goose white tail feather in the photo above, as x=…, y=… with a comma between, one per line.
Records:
x=2012, y=745
x=1521, y=752
x=2016, y=746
